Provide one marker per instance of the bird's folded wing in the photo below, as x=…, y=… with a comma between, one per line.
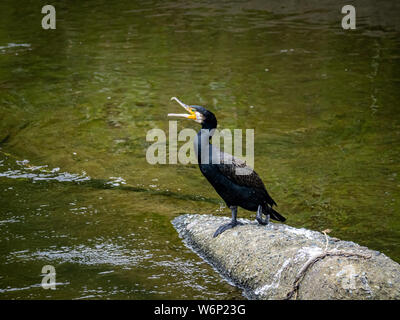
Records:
x=237, y=171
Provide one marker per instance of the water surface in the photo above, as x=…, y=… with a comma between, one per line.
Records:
x=76, y=191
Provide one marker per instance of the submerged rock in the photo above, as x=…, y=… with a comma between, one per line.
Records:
x=281, y=262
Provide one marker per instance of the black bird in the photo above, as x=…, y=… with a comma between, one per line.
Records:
x=221, y=170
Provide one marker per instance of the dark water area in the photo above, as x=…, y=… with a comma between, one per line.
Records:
x=76, y=103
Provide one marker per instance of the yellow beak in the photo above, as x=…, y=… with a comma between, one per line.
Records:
x=192, y=112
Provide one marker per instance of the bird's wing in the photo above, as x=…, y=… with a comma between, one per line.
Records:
x=236, y=170
x=239, y=172
x=230, y=167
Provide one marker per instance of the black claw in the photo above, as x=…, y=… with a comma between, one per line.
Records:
x=225, y=227
x=263, y=222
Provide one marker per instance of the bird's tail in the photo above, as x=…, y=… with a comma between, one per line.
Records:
x=274, y=215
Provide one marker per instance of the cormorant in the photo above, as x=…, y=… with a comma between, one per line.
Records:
x=221, y=170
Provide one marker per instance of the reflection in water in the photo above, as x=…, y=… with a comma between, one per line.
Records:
x=79, y=100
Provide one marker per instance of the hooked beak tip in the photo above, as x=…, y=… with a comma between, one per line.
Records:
x=180, y=102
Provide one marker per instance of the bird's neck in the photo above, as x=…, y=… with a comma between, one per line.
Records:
x=202, y=145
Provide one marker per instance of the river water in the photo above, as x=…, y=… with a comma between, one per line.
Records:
x=76, y=103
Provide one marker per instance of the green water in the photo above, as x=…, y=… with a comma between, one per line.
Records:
x=79, y=100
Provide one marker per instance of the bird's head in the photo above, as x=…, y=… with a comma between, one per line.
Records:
x=199, y=114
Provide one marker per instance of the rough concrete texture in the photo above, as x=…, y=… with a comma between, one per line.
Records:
x=281, y=262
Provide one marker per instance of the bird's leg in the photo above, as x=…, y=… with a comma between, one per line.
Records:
x=229, y=225
x=259, y=216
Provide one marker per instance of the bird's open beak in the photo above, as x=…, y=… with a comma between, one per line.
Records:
x=192, y=112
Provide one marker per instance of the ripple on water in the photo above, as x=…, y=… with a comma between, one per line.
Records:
x=5, y=48
x=41, y=173
x=100, y=254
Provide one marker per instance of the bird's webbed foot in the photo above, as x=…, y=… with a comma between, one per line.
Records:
x=259, y=218
x=225, y=227
x=229, y=225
